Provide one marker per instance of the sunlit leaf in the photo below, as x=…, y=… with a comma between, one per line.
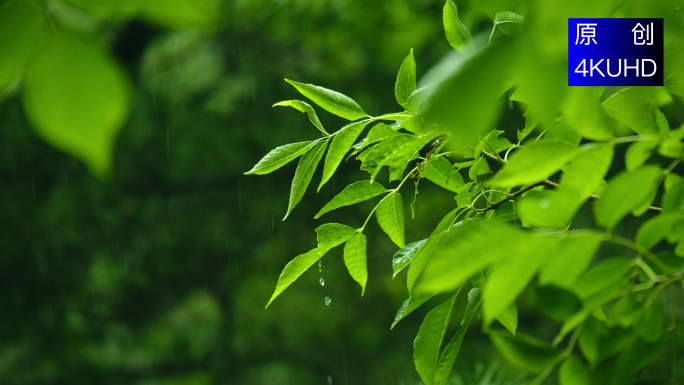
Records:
x=464, y=251
x=533, y=163
x=638, y=153
x=509, y=318
x=442, y=173
x=467, y=104
x=456, y=32
x=509, y=23
x=78, y=98
x=655, y=229
x=306, y=108
x=294, y=269
x=583, y=113
x=332, y=235
x=352, y=194
x=511, y=274
x=625, y=192
x=406, y=80
x=567, y=260
x=304, y=173
x=635, y=107
x=355, y=259
x=390, y=214
x=279, y=157
x=340, y=145
x=331, y=101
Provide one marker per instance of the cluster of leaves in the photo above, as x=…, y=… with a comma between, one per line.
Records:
x=75, y=93
x=511, y=227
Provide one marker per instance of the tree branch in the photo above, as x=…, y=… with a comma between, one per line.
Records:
x=555, y=186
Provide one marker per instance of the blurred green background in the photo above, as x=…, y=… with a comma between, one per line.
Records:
x=160, y=273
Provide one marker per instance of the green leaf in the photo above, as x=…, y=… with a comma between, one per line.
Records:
x=662, y=123
x=429, y=340
x=509, y=318
x=463, y=251
x=635, y=107
x=440, y=172
x=406, y=80
x=390, y=215
x=564, y=134
x=598, y=342
x=279, y=157
x=533, y=163
x=306, y=108
x=378, y=155
x=568, y=259
x=396, y=152
x=403, y=257
x=449, y=355
x=341, y=144
x=331, y=101
x=638, y=153
x=525, y=352
x=583, y=113
x=582, y=177
x=355, y=259
x=294, y=269
x=20, y=25
x=512, y=274
x=410, y=305
x=655, y=229
x=624, y=193
x=352, y=194
x=602, y=276
x=509, y=23
x=456, y=32
x=422, y=257
x=474, y=298
x=652, y=326
x=557, y=303
x=415, y=101
x=573, y=372
x=468, y=104
x=78, y=98
x=479, y=168
x=305, y=170
x=332, y=235
x=673, y=200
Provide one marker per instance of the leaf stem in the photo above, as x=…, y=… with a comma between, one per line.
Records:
x=492, y=34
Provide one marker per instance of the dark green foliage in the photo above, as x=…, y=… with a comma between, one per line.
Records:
x=504, y=238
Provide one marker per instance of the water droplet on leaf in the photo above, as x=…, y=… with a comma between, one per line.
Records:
x=327, y=301
x=329, y=380
x=322, y=281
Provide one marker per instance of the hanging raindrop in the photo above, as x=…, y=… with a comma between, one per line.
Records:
x=322, y=281
x=327, y=301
